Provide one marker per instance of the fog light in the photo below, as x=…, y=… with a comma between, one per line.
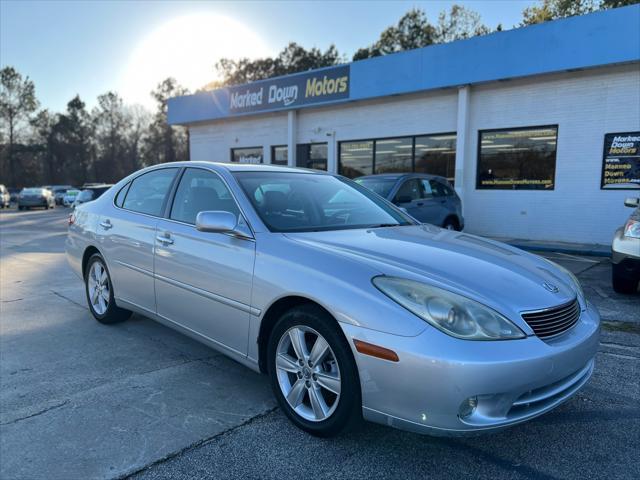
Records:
x=468, y=407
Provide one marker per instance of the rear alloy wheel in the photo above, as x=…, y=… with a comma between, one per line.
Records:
x=100, y=293
x=313, y=373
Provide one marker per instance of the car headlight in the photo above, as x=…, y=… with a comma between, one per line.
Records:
x=632, y=229
x=451, y=313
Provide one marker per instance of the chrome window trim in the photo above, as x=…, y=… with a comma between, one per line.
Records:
x=172, y=192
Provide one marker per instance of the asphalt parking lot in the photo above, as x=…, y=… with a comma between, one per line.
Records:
x=82, y=400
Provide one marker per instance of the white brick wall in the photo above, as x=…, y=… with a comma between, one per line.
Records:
x=585, y=105
x=214, y=141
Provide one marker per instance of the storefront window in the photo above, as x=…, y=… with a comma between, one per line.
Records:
x=247, y=155
x=394, y=155
x=356, y=158
x=436, y=154
x=433, y=154
x=518, y=159
x=279, y=155
x=312, y=155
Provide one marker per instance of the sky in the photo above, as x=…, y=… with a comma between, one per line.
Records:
x=93, y=46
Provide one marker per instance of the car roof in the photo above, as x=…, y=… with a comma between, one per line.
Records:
x=395, y=176
x=242, y=167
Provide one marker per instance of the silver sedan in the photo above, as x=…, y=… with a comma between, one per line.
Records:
x=352, y=308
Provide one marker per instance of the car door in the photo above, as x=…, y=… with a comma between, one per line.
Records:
x=432, y=205
x=203, y=280
x=410, y=197
x=127, y=233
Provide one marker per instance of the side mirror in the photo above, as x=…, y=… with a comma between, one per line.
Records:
x=403, y=199
x=632, y=202
x=222, y=222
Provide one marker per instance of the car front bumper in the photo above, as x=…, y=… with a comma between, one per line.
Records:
x=511, y=380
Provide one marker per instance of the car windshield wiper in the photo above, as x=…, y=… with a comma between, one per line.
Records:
x=381, y=225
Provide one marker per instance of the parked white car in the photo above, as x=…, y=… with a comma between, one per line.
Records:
x=70, y=197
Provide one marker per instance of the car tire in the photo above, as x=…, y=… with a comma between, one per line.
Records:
x=339, y=401
x=451, y=223
x=621, y=281
x=102, y=307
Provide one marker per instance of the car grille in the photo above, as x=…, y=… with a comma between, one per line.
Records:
x=553, y=321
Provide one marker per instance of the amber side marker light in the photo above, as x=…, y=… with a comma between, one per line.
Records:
x=376, y=351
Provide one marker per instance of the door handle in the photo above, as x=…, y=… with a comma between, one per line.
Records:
x=106, y=224
x=420, y=204
x=165, y=239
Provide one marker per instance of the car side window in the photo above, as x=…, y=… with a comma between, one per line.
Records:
x=409, y=191
x=437, y=188
x=427, y=191
x=449, y=191
x=147, y=192
x=201, y=190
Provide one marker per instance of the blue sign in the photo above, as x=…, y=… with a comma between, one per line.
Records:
x=289, y=92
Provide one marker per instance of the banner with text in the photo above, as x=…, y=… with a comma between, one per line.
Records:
x=315, y=87
x=621, y=161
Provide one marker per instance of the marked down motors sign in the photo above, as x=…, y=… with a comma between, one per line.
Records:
x=317, y=87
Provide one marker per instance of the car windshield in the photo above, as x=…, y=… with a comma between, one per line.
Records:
x=382, y=186
x=32, y=191
x=85, y=195
x=306, y=202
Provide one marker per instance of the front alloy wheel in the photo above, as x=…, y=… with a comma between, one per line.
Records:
x=309, y=379
x=313, y=373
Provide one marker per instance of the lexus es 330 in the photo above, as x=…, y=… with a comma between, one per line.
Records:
x=350, y=306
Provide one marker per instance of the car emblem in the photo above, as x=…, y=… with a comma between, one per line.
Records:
x=551, y=287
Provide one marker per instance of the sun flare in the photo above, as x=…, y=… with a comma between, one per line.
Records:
x=187, y=49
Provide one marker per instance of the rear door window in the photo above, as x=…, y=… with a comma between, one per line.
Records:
x=409, y=191
x=148, y=192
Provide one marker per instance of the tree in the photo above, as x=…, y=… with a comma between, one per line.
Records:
x=293, y=58
x=72, y=143
x=139, y=121
x=459, y=24
x=617, y=3
x=42, y=140
x=17, y=102
x=164, y=142
x=412, y=31
x=554, y=9
x=111, y=124
x=415, y=31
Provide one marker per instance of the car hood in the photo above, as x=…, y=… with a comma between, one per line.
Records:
x=498, y=275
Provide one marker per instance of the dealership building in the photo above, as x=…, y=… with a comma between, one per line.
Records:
x=538, y=128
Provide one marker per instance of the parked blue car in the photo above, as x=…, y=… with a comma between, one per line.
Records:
x=427, y=198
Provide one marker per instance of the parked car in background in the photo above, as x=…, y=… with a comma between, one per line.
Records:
x=59, y=192
x=35, y=197
x=427, y=198
x=70, y=197
x=625, y=252
x=90, y=193
x=14, y=192
x=5, y=197
x=351, y=306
